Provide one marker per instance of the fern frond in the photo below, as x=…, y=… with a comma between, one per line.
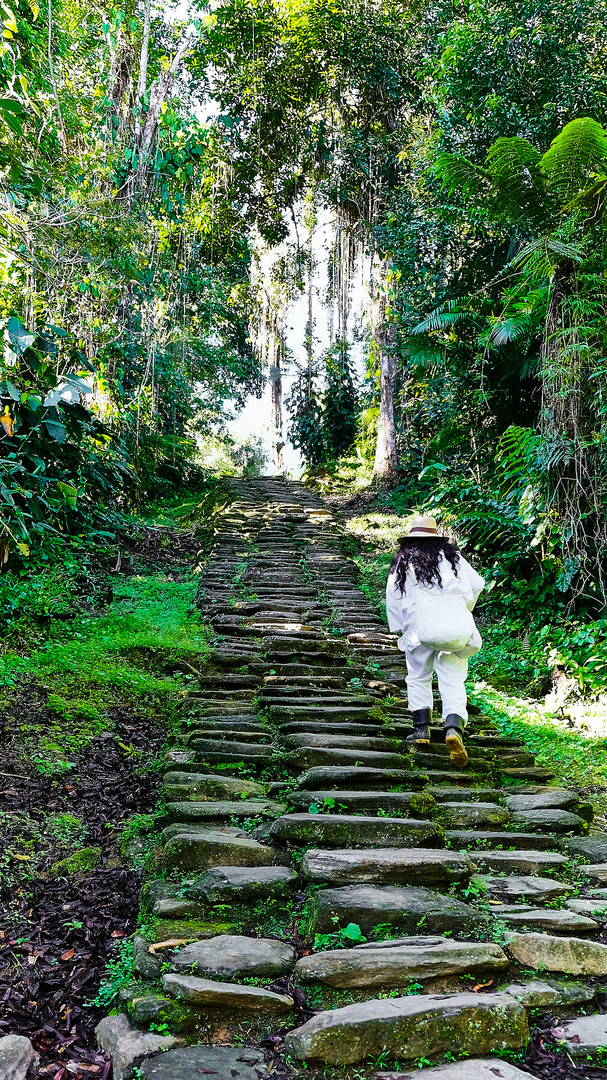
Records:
x=510, y=328
x=512, y=164
x=455, y=172
x=426, y=358
x=541, y=249
x=442, y=318
x=577, y=154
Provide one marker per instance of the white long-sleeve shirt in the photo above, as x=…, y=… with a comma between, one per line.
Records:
x=400, y=608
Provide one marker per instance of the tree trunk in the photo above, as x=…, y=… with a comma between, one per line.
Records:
x=277, y=440
x=386, y=458
x=385, y=337
x=143, y=69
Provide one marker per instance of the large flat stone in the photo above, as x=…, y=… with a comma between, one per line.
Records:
x=596, y=909
x=220, y=1062
x=128, y=1047
x=385, y=866
x=235, y=956
x=538, y=993
x=444, y=793
x=412, y=1027
x=348, y=742
x=217, y=811
x=462, y=815
x=309, y=757
x=327, y=777
x=477, y=840
x=392, y=966
x=201, y=847
x=202, y=786
x=558, y=921
x=206, y=993
x=593, y=848
x=408, y=908
x=470, y=1069
x=573, y=955
x=410, y=803
x=242, y=883
x=533, y=890
x=555, y=798
x=18, y=1059
x=555, y=821
x=521, y=862
x=335, y=830
x=598, y=871
x=584, y=1036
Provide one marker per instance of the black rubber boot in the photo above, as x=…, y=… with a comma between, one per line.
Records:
x=454, y=738
x=421, y=727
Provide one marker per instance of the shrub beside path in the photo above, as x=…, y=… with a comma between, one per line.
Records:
x=327, y=897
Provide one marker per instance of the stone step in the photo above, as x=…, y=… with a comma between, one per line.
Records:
x=311, y=757
x=228, y=746
x=444, y=794
x=410, y=909
x=594, y=908
x=392, y=964
x=386, y=866
x=557, y=799
x=313, y=727
x=576, y=956
x=480, y=766
x=335, y=830
x=284, y=713
x=201, y=786
x=220, y=811
x=200, y=847
x=462, y=815
x=554, y=920
x=527, y=888
x=228, y=735
x=412, y=1027
x=471, y=1069
x=584, y=1038
x=347, y=742
x=410, y=803
x=557, y=821
x=527, y=774
x=357, y=778
x=233, y=956
x=480, y=840
x=207, y=993
x=239, y=883
x=536, y=863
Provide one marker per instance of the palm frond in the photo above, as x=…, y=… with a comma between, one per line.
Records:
x=512, y=164
x=455, y=172
x=510, y=328
x=443, y=318
x=425, y=358
x=574, y=157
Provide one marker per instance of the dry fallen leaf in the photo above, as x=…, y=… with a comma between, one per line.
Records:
x=481, y=986
x=21, y=858
x=68, y=955
x=7, y=422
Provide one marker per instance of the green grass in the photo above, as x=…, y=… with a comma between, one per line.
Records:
x=98, y=662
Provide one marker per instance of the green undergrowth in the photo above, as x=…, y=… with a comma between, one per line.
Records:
x=97, y=663
x=577, y=760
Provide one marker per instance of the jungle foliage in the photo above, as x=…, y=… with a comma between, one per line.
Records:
x=153, y=157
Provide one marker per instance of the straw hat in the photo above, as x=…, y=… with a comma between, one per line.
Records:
x=423, y=526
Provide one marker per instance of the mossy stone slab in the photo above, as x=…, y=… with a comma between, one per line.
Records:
x=407, y=908
x=207, y=993
x=409, y=803
x=391, y=966
x=412, y=1027
x=234, y=956
x=554, y=821
x=526, y=887
x=465, y=815
x=385, y=866
x=236, y=883
x=539, y=993
x=327, y=777
x=570, y=954
x=335, y=830
x=204, y=786
x=200, y=848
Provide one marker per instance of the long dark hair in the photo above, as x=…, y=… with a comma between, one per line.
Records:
x=421, y=554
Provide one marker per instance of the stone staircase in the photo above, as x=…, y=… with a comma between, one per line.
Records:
x=326, y=892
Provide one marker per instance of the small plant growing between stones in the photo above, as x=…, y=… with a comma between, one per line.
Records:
x=350, y=935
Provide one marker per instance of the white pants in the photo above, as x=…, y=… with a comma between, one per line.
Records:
x=451, y=670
